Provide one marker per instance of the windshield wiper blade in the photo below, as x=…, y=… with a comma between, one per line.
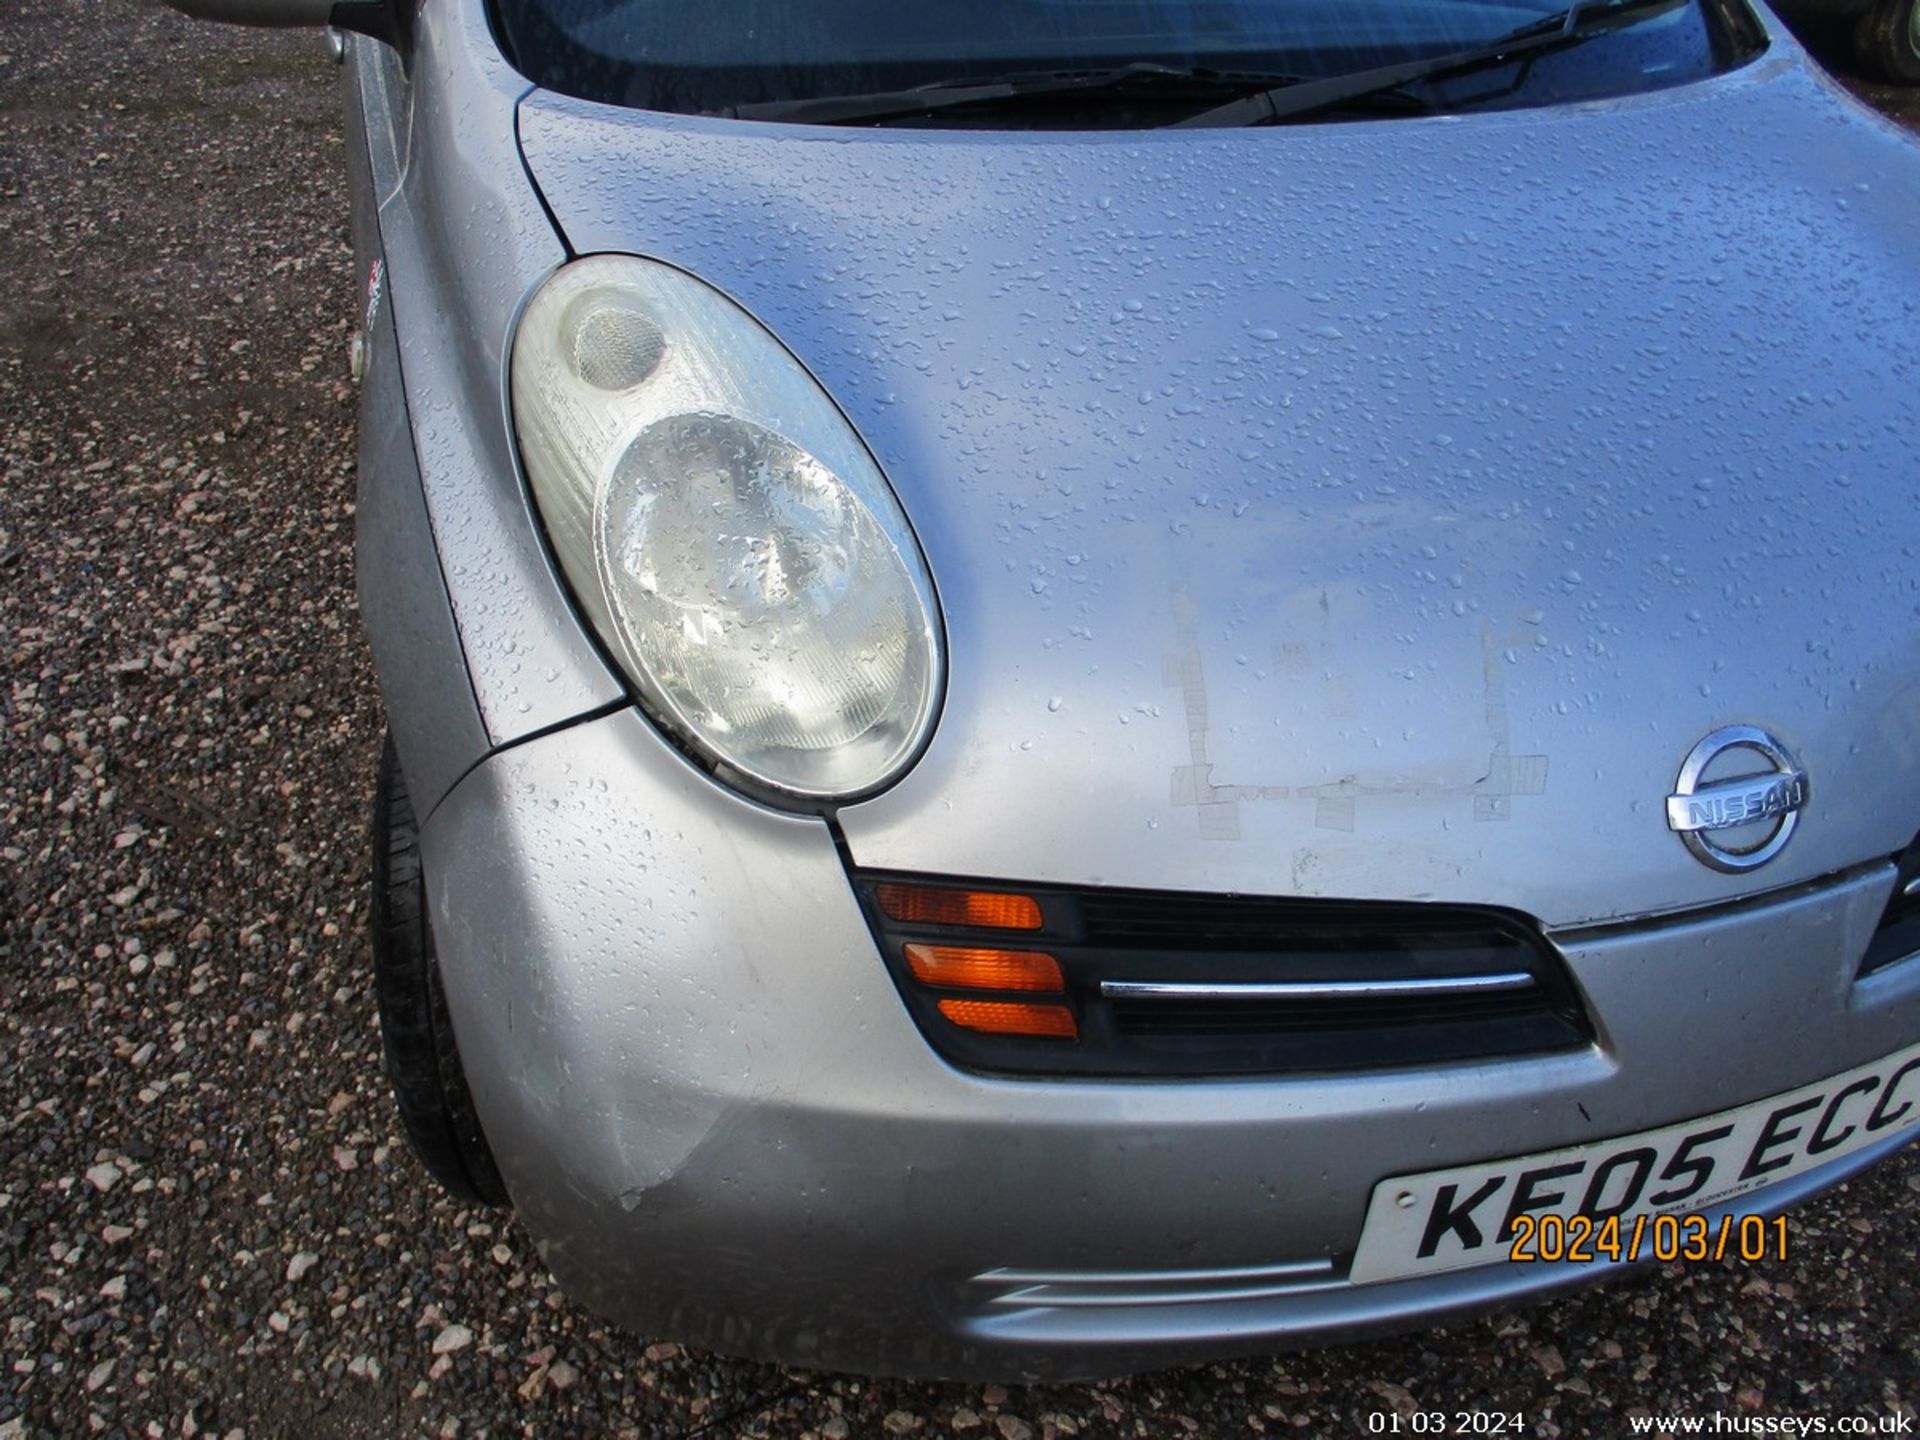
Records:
x=1568, y=27
x=1147, y=78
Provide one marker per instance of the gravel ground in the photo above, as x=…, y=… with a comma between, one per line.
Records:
x=208, y=1221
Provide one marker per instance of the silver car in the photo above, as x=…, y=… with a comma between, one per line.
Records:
x=1081, y=685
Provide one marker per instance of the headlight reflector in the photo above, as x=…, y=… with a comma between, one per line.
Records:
x=727, y=532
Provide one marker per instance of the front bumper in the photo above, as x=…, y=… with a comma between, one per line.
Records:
x=719, y=1123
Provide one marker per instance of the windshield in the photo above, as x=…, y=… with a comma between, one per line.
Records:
x=714, y=56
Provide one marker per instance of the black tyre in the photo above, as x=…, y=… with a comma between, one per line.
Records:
x=1887, y=41
x=423, y=1064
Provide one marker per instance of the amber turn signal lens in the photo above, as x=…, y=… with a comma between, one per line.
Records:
x=932, y=905
x=1006, y=1017
x=969, y=969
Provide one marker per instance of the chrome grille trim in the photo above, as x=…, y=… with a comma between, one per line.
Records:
x=1101, y=1289
x=1316, y=989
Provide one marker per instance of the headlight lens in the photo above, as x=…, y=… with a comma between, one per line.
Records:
x=725, y=529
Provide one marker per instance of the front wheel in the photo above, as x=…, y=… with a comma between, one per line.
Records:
x=423, y=1063
x=1887, y=41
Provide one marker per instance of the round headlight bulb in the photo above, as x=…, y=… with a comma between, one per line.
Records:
x=726, y=531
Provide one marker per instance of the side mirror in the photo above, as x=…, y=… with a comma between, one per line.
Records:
x=388, y=20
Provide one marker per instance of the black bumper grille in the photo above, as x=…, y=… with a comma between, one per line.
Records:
x=1898, y=937
x=1228, y=923
x=1250, y=985
x=1307, y=1017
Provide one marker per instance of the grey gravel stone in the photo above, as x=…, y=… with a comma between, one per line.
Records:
x=104, y=1176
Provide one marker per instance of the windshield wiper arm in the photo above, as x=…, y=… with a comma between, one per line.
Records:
x=1286, y=101
x=946, y=94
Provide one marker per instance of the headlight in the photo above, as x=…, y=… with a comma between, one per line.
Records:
x=725, y=529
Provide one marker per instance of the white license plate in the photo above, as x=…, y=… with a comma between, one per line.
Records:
x=1450, y=1219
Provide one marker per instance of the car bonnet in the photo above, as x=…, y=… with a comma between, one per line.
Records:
x=1372, y=510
